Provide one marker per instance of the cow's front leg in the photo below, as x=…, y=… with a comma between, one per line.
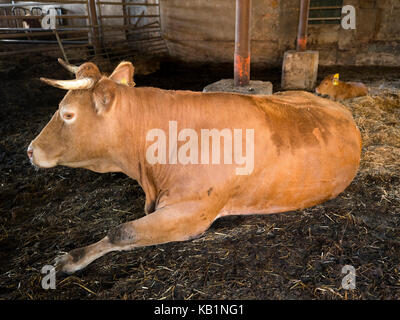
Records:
x=78, y=259
x=177, y=222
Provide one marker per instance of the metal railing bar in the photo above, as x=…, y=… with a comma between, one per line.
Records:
x=130, y=49
x=39, y=2
x=325, y=8
x=111, y=46
x=128, y=4
x=41, y=49
x=133, y=16
x=324, y=18
x=42, y=41
x=124, y=27
x=39, y=34
x=41, y=29
x=8, y=17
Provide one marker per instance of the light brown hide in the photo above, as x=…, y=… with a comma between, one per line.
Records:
x=307, y=150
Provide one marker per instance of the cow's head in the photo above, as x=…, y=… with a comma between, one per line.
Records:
x=328, y=86
x=80, y=132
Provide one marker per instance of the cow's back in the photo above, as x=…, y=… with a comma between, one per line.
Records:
x=311, y=153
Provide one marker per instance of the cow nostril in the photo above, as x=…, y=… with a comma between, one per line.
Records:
x=29, y=152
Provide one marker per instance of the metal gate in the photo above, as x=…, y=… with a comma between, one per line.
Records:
x=80, y=30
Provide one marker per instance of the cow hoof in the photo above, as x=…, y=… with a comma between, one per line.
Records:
x=65, y=264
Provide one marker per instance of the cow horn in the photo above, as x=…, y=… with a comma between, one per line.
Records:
x=69, y=67
x=85, y=83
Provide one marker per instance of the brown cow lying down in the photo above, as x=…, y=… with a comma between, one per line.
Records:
x=339, y=90
x=292, y=150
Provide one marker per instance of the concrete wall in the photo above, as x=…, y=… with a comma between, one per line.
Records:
x=204, y=30
x=375, y=41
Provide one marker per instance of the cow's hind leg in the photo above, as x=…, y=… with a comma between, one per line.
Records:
x=178, y=222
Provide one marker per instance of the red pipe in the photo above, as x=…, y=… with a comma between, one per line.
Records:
x=303, y=23
x=242, y=43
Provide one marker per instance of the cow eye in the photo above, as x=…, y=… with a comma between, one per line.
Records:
x=68, y=115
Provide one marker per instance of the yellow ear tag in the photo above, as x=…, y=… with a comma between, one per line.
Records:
x=335, y=79
x=124, y=81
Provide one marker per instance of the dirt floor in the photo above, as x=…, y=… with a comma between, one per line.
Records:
x=295, y=255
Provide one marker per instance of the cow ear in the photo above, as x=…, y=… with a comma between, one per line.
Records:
x=123, y=74
x=104, y=95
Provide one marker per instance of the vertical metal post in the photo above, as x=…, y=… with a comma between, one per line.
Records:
x=242, y=43
x=60, y=45
x=99, y=14
x=303, y=23
x=94, y=25
x=125, y=12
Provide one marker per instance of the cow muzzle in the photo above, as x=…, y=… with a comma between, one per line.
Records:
x=29, y=152
x=38, y=158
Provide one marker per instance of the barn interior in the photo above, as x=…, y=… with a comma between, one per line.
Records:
x=188, y=45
